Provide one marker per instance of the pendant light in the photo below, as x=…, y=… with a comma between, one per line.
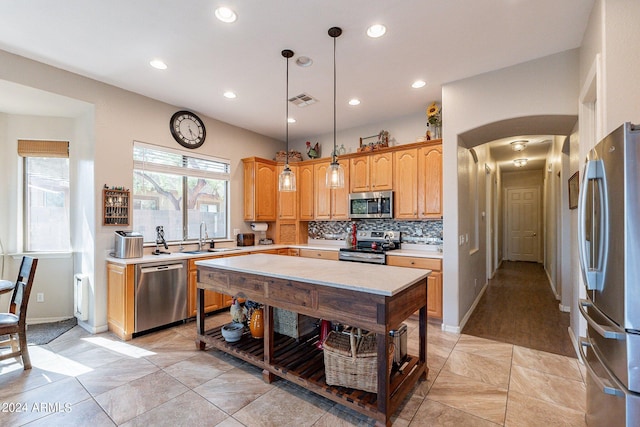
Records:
x=335, y=172
x=287, y=179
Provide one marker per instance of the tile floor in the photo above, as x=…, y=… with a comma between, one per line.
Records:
x=157, y=379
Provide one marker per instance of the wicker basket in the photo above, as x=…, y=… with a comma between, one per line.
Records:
x=351, y=360
x=292, y=324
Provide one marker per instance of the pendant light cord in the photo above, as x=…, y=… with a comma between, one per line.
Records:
x=287, y=119
x=334, y=101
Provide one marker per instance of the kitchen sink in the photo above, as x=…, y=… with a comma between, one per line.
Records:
x=193, y=252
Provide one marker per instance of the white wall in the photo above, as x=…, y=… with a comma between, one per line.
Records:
x=547, y=86
x=106, y=137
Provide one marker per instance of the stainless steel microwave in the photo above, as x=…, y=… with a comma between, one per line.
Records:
x=375, y=204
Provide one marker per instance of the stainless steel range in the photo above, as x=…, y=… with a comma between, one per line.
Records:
x=371, y=246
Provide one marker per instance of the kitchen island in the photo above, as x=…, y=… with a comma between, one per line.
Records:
x=376, y=298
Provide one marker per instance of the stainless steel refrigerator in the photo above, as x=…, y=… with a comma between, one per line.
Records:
x=609, y=243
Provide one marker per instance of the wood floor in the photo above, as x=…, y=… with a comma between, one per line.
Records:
x=518, y=307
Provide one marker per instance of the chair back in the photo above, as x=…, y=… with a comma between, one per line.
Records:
x=21, y=292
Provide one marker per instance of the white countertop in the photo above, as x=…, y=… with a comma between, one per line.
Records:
x=371, y=278
x=420, y=251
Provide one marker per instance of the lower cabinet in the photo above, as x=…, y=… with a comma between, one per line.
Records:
x=212, y=300
x=318, y=253
x=434, y=281
x=120, y=300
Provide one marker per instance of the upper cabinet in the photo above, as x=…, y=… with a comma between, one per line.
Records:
x=330, y=204
x=260, y=190
x=430, y=181
x=417, y=181
x=371, y=172
x=305, y=192
x=288, y=200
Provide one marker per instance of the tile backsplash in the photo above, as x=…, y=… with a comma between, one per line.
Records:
x=411, y=231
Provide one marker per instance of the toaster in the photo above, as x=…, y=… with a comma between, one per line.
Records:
x=245, y=239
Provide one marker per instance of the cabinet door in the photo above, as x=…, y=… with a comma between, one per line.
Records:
x=288, y=200
x=430, y=182
x=212, y=300
x=305, y=192
x=359, y=168
x=405, y=184
x=265, y=192
x=249, y=190
x=120, y=304
x=381, y=172
x=340, y=197
x=434, y=295
x=322, y=193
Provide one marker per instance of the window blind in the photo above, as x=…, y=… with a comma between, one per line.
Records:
x=40, y=148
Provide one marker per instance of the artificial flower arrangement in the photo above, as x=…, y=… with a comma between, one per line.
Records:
x=434, y=120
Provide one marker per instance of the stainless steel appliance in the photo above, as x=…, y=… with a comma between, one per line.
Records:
x=609, y=243
x=371, y=246
x=400, y=344
x=160, y=294
x=128, y=244
x=375, y=204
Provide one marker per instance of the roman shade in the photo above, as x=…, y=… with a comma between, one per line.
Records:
x=39, y=148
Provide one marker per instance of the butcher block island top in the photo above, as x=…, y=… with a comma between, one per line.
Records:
x=376, y=298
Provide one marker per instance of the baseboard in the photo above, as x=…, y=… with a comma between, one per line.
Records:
x=551, y=284
x=575, y=343
x=564, y=308
x=93, y=329
x=465, y=319
x=38, y=320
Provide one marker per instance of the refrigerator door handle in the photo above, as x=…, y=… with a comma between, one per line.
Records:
x=605, y=331
x=603, y=383
x=593, y=277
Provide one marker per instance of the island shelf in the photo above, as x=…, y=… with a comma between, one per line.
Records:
x=312, y=292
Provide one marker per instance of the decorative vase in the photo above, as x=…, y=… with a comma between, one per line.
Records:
x=256, y=324
x=437, y=132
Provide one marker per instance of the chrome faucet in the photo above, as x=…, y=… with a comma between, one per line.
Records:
x=203, y=236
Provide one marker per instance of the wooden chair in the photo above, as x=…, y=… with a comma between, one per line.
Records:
x=14, y=323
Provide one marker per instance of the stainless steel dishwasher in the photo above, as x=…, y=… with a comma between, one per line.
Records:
x=160, y=294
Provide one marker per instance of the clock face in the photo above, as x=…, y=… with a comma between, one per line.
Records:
x=187, y=129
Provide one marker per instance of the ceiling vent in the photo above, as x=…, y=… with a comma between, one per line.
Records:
x=303, y=100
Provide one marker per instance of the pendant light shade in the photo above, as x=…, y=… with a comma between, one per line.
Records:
x=335, y=172
x=287, y=179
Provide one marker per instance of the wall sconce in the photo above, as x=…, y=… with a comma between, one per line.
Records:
x=519, y=145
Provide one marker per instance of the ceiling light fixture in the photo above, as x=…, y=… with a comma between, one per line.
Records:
x=287, y=179
x=229, y=95
x=376, y=30
x=158, y=64
x=304, y=61
x=418, y=84
x=354, y=101
x=335, y=172
x=520, y=162
x=226, y=15
x=519, y=145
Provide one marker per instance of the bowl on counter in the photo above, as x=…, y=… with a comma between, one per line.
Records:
x=232, y=332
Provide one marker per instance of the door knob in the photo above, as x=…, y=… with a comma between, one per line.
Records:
x=534, y=235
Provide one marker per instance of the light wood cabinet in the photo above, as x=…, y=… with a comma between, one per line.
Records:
x=288, y=200
x=318, y=253
x=120, y=300
x=330, y=204
x=212, y=300
x=260, y=190
x=371, y=172
x=305, y=192
x=405, y=184
x=430, y=181
x=434, y=281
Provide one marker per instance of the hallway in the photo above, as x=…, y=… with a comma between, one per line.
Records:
x=518, y=307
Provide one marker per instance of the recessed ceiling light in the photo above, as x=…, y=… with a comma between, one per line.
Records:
x=376, y=30
x=158, y=64
x=354, y=101
x=225, y=14
x=418, y=84
x=230, y=95
x=291, y=120
x=304, y=61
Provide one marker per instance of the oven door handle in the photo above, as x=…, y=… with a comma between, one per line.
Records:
x=602, y=383
x=605, y=331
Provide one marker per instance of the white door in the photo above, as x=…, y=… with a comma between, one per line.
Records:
x=522, y=224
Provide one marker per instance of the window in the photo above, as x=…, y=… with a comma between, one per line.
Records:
x=46, y=195
x=179, y=192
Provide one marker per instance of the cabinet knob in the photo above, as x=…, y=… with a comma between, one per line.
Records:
x=412, y=262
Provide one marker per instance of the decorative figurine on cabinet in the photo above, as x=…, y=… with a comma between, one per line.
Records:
x=313, y=152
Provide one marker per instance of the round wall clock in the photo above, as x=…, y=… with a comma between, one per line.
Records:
x=187, y=129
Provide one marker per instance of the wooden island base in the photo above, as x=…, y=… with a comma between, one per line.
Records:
x=299, y=361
